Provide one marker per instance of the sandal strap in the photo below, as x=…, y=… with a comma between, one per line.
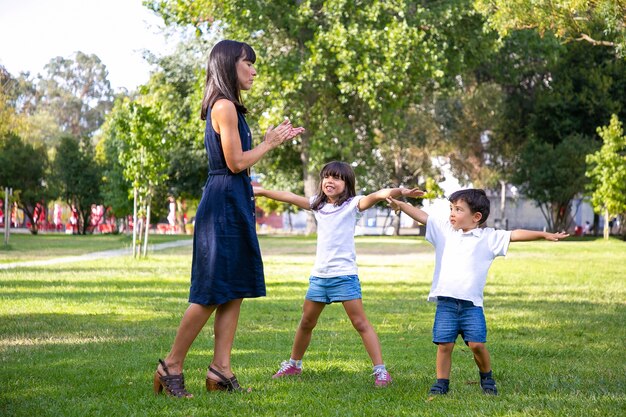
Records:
x=173, y=384
x=231, y=384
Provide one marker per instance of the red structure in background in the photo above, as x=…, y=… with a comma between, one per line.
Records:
x=272, y=220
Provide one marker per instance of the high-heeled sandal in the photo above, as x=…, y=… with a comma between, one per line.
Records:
x=225, y=384
x=174, y=385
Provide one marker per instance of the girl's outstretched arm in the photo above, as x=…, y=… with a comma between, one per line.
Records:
x=381, y=195
x=284, y=196
x=521, y=235
x=413, y=212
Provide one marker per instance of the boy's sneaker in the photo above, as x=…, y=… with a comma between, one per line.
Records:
x=383, y=378
x=439, y=388
x=287, y=369
x=489, y=386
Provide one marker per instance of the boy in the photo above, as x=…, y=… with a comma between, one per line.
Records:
x=464, y=252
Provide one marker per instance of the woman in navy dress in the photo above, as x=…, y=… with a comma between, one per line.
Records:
x=227, y=265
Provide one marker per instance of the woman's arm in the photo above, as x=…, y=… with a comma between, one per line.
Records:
x=413, y=212
x=284, y=196
x=225, y=122
x=380, y=195
x=522, y=235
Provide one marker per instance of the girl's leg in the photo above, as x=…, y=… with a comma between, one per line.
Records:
x=193, y=321
x=225, y=326
x=310, y=313
x=356, y=313
x=481, y=356
x=444, y=360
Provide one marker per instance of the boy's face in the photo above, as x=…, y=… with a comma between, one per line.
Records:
x=461, y=217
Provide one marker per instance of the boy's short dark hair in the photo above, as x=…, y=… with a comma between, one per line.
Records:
x=476, y=199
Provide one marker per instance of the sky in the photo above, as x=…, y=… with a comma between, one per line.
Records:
x=32, y=32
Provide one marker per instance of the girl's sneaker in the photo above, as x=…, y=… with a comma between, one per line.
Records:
x=287, y=369
x=382, y=378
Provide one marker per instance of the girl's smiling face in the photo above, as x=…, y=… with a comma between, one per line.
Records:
x=333, y=187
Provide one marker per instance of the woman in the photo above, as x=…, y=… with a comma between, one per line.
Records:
x=227, y=265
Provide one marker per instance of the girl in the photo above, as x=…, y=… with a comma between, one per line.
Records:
x=334, y=278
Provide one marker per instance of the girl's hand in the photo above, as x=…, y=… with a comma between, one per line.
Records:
x=257, y=190
x=555, y=237
x=412, y=192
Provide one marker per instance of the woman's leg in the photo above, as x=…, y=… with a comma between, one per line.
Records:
x=356, y=313
x=226, y=320
x=193, y=321
x=310, y=313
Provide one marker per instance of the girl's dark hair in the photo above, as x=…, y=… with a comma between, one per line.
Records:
x=476, y=199
x=221, y=74
x=340, y=170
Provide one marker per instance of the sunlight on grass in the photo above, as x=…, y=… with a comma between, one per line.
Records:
x=555, y=314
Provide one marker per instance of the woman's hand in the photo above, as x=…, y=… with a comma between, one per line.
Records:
x=275, y=136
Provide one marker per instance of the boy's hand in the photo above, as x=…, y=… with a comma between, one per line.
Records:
x=394, y=204
x=555, y=237
x=412, y=192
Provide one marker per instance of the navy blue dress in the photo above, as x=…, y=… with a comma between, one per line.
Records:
x=226, y=261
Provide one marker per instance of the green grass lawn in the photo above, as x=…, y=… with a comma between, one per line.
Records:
x=83, y=339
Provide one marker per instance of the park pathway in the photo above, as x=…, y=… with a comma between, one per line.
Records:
x=94, y=255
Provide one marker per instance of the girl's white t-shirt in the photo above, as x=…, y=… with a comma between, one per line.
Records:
x=336, y=254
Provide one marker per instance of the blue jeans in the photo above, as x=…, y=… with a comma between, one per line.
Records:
x=454, y=317
x=330, y=290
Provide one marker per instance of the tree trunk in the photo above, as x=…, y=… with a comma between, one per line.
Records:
x=310, y=182
x=134, y=220
x=145, y=240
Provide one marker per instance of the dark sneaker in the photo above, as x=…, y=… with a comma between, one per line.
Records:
x=439, y=388
x=489, y=386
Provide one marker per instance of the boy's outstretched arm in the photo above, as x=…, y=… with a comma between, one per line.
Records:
x=284, y=196
x=380, y=195
x=414, y=212
x=522, y=235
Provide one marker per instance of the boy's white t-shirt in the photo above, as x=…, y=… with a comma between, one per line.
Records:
x=336, y=254
x=462, y=260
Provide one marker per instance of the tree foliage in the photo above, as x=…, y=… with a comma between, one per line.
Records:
x=597, y=22
x=24, y=168
x=607, y=172
x=78, y=177
x=552, y=175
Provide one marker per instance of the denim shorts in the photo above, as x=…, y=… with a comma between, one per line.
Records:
x=330, y=290
x=458, y=317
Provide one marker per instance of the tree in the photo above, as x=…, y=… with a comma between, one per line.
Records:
x=597, y=22
x=142, y=134
x=322, y=65
x=607, y=173
x=552, y=175
x=74, y=91
x=24, y=168
x=78, y=177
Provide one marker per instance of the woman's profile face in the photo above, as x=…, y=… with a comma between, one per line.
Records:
x=245, y=73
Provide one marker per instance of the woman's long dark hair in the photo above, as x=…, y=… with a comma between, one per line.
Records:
x=221, y=74
x=335, y=169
